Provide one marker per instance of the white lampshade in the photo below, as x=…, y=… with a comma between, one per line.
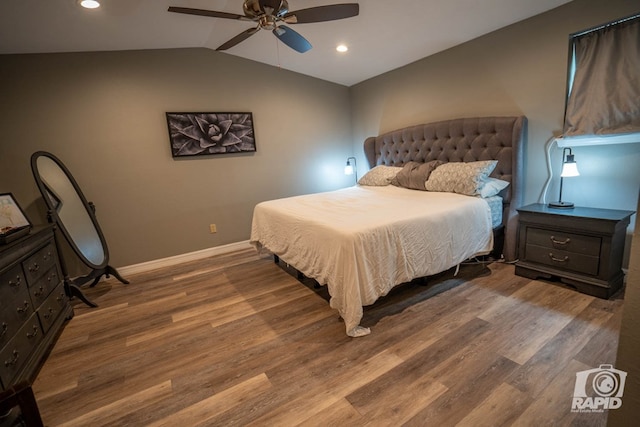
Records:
x=569, y=169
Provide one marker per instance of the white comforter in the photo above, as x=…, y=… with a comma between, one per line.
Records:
x=362, y=241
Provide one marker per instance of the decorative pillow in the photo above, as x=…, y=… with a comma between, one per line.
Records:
x=414, y=175
x=460, y=177
x=379, y=176
x=492, y=186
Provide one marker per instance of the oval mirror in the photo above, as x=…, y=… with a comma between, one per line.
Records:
x=70, y=209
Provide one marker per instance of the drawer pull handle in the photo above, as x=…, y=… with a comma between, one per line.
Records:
x=34, y=333
x=5, y=327
x=34, y=267
x=52, y=276
x=50, y=313
x=39, y=292
x=24, y=307
x=558, y=242
x=13, y=360
x=565, y=259
x=16, y=283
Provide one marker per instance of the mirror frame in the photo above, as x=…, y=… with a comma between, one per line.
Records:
x=52, y=212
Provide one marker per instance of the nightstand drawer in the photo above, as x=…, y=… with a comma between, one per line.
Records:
x=570, y=242
x=565, y=260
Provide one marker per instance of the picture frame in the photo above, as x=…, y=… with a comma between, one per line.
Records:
x=201, y=134
x=13, y=221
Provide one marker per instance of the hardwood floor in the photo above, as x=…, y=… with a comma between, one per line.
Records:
x=236, y=340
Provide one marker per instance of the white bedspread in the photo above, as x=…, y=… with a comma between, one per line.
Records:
x=362, y=241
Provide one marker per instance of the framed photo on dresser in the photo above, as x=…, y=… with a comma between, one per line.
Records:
x=13, y=221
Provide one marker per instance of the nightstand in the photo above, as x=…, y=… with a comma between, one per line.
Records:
x=583, y=247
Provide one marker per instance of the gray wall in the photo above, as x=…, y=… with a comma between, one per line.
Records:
x=103, y=115
x=520, y=69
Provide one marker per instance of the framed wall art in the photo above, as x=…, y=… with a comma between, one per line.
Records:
x=198, y=134
x=13, y=221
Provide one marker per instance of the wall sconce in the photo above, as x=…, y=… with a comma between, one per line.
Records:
x=569, y=168
x=349, y=169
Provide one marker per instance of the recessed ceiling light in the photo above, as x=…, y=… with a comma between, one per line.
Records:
x=342, y=48
x=90, y=4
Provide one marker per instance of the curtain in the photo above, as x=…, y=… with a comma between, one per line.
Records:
x=604, y=90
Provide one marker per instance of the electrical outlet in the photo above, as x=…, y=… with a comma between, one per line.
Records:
x=212, y=228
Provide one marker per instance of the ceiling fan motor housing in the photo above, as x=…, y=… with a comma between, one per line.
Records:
x=255, y=9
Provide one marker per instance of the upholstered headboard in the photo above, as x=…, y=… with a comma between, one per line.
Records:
x=463, y=140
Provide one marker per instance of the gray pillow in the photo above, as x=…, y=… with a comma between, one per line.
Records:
x=461, y=178
x=414, y=175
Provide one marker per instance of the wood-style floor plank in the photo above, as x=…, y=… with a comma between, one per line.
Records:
x=235, y=340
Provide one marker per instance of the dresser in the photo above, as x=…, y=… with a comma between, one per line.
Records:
x=583, y=247
x=33, y=304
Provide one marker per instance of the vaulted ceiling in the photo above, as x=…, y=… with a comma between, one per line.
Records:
x=384, y=36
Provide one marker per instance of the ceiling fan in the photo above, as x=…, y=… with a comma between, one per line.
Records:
x=269, y=15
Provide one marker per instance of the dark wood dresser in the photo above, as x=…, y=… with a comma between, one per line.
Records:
x=583, y=247
x=33, y=304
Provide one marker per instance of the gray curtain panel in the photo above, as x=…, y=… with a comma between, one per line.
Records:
x=604, y=97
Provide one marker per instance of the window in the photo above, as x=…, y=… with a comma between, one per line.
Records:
x=603, y=85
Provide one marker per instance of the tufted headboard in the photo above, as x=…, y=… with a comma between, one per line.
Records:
x=463, y=140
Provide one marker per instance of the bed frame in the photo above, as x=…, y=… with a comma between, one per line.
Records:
x=464, y=140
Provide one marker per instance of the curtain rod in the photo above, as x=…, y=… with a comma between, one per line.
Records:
x=608, y=24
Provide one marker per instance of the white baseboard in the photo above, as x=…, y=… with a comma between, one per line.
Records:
x=178, y=259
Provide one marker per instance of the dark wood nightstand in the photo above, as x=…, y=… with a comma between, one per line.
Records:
x=581, y=246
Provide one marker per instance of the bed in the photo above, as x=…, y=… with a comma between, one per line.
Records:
x=364, y=240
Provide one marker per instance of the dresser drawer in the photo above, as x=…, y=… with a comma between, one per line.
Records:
x=43, y=287
x=13, y=316
x=17, y=351
x=39, y=263
x=17, y=310
x=53, y=306
x=565, y=260
x=577, y=243
x=12, y=285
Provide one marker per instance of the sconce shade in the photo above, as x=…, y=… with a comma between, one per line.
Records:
x=350, y=169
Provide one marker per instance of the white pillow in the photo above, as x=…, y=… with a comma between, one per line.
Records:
x=492, y=186
x=460, y=177
x=379, y=176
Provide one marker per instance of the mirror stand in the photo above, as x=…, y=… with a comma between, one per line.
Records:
x=71, y=289
x=75, y=218
x=73, y=286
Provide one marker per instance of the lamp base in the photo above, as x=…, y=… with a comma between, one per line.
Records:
x=561, y=205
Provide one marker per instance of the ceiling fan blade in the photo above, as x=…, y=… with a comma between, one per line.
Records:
x=322, y=13
x=209, y=13
x=239, y=38
x=292, y=39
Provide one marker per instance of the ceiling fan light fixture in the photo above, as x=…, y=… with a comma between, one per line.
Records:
x=270, y=14
x=342, y=48
x=89, y=4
